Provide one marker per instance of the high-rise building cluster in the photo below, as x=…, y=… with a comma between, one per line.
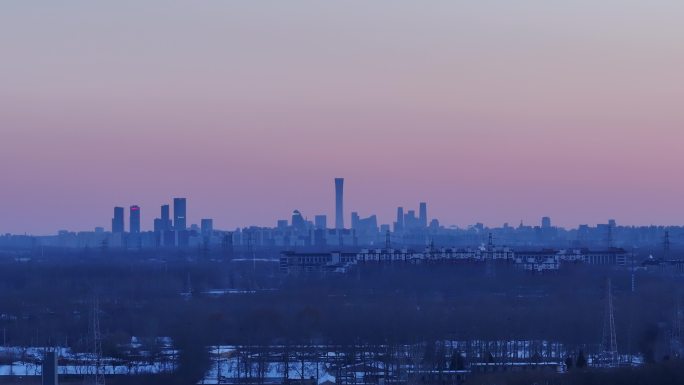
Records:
x=362, y=231
x=171, y=228
x=410, y=227
x=166, y=231
x=408, y=221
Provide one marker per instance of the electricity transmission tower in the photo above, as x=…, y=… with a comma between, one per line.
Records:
x=609, y=342
x=97, y=377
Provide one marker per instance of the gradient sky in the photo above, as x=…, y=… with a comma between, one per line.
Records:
x=491, y=111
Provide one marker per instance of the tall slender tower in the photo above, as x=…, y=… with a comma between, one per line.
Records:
x=339, y=203
x=134, y=218
x=179, y=212
x=118, y=220
x=400, y=220
x=422, y=214
x=165, y=218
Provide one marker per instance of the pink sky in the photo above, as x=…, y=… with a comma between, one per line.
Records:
x=494, y=112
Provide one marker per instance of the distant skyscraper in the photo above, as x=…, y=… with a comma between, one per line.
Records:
x=321, y=222
x=339, y=202
x=298, y=220
x=166, y=217
x=355, y=220
x=118, y=220
x=365, y=226
x=179, y=214
x=400, y=219
x=134, y=218
x=164, y=223
x=422, y=215
x=207, y=226
x=546, y=223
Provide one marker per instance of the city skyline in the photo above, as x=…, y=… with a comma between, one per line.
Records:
x=387, y=192
x=489, y=113
x=177, y=220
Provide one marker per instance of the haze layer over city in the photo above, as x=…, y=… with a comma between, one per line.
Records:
x=342, y=193
x=492, y=112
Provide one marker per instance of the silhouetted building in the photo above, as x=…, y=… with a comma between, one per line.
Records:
x=168, y=238
x=537, y=261
x=298, y=220
x=166, y=217
x=164, y=223
x=366, y=229
x=227, y=245
x=118, y=220
x=183, y=238
x=341, y=238
x=134, y=219
x=298, y=263
x=321, y=222
x=399, y=224
x=546, y=223
x=410, y=220
x=282, y=224
x=207, y=226
x=339, y=203
x=422, y=214
x=319, y=237
x=179, y=214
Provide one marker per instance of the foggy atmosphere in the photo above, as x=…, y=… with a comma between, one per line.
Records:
x=341, y=193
